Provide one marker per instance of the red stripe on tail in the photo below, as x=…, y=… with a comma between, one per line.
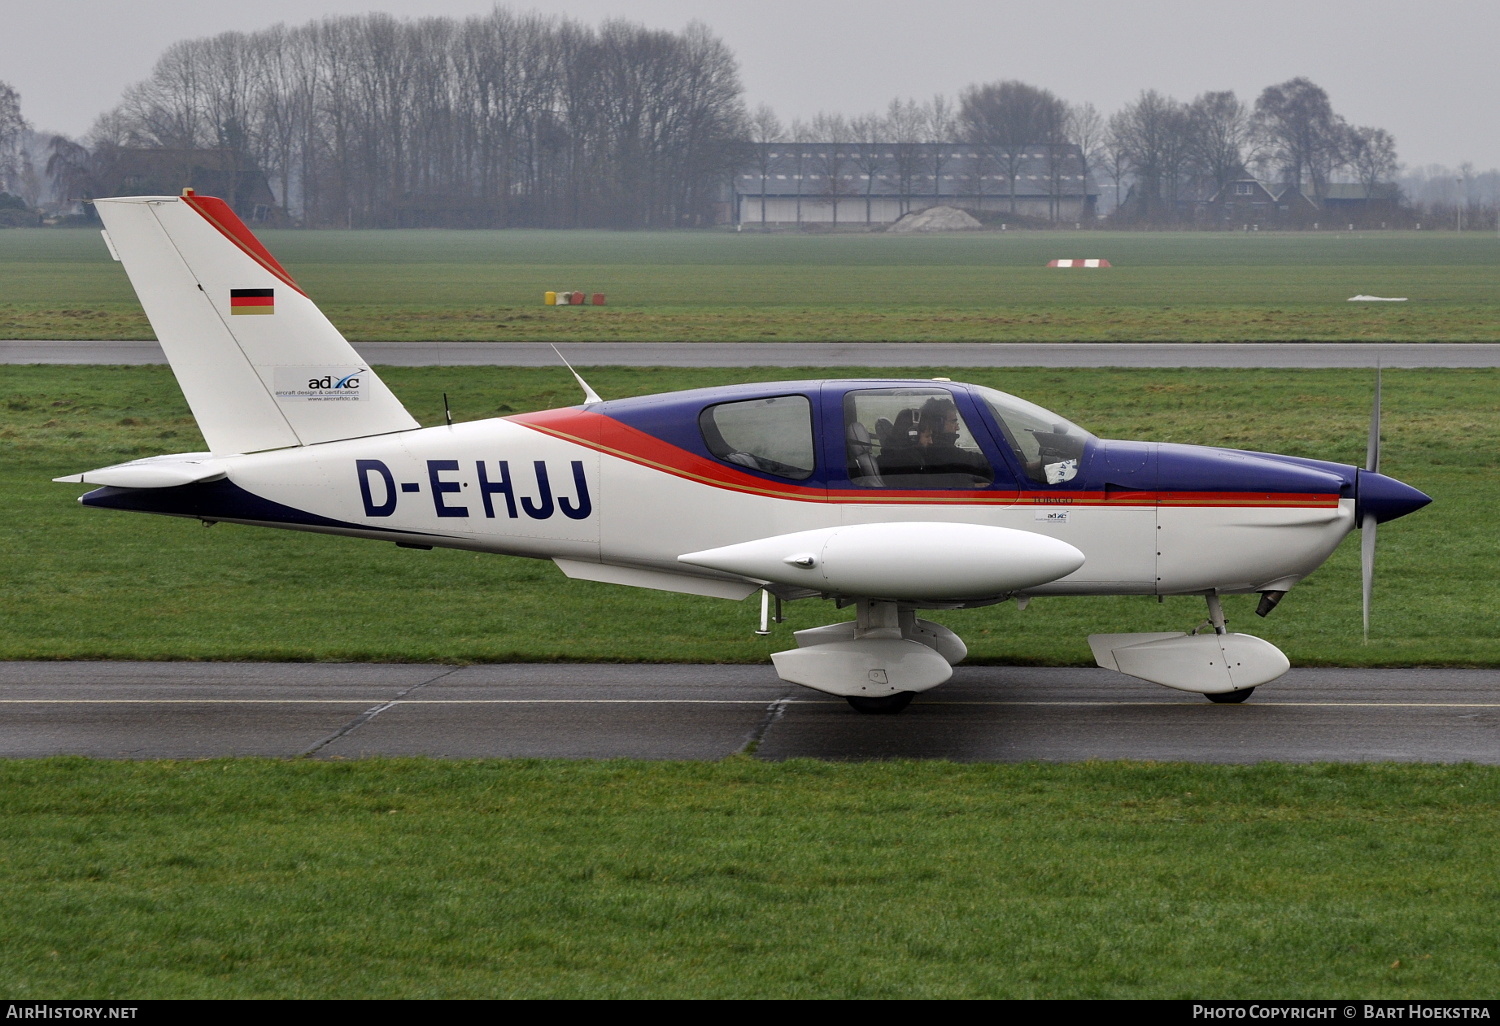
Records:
x=217, y=213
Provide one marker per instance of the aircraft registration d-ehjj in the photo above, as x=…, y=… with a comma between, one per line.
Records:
x=893, y=496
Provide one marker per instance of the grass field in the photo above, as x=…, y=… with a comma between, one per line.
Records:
x=79, y=583
x=427, y=879
x=410, y=878
x=722, y=286
x=407, y=878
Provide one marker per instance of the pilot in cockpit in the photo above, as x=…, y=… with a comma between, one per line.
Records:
x=924, y=442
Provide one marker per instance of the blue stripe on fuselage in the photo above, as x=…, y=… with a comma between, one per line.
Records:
x=215, y=500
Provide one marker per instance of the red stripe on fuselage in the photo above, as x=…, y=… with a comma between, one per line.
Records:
x=607, y=435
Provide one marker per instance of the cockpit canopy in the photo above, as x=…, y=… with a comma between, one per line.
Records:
x=900, y=435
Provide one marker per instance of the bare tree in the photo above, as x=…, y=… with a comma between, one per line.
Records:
x=905, y=124
x=1296, y=117
x=1152, y=134
x=941, y=128
x=765, y=130
x=834, y=155
x=30, y=184
x=1010, y=116
x=976, y=173
x=702, y=148
x=1114, y=153
x=1372, y=156
x=69, y=169
x=1059, y=156
x=1087, y=130
x=870, y=156
x=801, y=134
x=12, y=127
x=1222, y=136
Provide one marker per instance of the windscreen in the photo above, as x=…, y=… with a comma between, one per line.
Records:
x=1050, y=447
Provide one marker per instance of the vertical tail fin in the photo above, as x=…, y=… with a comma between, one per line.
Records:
x=260, y=365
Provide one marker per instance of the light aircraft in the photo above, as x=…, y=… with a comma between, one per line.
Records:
x=893, y=496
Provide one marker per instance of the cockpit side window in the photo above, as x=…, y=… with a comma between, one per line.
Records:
x=773, y=436
x=911, y=438
x=1049, y=447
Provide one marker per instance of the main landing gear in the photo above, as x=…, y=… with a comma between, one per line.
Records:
x=878, y=661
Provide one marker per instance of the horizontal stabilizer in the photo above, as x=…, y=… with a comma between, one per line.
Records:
x=153, y=472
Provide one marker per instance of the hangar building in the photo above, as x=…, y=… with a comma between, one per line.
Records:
x=870, y=183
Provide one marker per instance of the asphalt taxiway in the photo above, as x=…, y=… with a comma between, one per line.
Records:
x=985, y=714
x=837, y=354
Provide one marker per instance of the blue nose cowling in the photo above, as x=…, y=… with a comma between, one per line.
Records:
x=1385, y=497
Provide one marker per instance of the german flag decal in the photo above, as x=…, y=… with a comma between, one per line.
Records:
x=252, y=301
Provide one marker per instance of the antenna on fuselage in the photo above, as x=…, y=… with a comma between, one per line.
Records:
x=589, y=395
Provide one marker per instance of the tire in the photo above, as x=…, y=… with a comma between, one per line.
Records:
x=1230, y=697
x=886, y=705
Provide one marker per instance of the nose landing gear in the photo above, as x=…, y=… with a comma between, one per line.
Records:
x=1221, y=666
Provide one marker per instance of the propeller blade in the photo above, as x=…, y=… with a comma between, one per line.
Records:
x=1367, y=566
x=1367, y=525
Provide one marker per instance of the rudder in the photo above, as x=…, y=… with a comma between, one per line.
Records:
x=259, y=364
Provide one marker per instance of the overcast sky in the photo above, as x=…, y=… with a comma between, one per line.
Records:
x=1425, y=70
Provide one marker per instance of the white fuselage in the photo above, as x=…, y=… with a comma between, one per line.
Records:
x=501, y=486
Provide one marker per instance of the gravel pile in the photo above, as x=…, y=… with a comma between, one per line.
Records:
x=935, y=219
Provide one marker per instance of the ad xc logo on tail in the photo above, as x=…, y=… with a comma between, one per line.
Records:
x=319, y=384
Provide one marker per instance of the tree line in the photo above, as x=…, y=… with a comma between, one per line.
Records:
x=525, y=120
x=497, y=120
x=1164, y=155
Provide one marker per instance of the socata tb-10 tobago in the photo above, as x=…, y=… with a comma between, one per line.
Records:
x=893, y=496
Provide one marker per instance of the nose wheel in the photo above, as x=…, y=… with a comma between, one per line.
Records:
x=1229, y=697
x=884, y=705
